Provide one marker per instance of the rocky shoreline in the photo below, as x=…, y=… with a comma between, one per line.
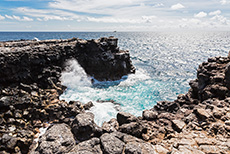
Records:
x=196, y=122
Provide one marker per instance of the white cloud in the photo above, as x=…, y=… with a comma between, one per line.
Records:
x=177, y=6
x=45, y=15
x=46, y=18
x=9, y=17
x=113, y=20
x=221, y=19
x=148, y=19
x=2, y=17
x=146, y=14
x=159, y=5
x=14, y=17
x=224, y=2
x=130, y=9
x=39, y=19
x=93, y=6
x=200, y=15
x=143, y=19
x=217, y=12
x=26, y=19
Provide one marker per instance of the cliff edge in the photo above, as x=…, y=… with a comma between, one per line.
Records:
x=196, y=122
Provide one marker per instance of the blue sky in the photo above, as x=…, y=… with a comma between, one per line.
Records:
x=120, y=15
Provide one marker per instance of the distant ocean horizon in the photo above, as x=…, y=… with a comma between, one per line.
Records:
x=165, y=63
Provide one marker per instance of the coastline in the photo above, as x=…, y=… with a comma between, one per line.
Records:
x=196, y=122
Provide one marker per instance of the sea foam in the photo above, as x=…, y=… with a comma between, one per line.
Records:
x=108, y=97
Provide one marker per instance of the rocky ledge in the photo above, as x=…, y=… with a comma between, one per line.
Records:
x=196, y=122
x=41, y=62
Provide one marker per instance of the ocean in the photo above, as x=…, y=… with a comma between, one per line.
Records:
x=165, y=63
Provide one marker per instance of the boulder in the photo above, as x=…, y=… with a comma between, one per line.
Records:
x=132, y=128
x=111, y=144
x=84, y=127
x=57, y=139
x=123, y=117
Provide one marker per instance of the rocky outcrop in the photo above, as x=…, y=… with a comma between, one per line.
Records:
x=196, y=122
x=41, y=62
x=103, y=60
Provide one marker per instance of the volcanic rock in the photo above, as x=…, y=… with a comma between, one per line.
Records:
x=57, y=139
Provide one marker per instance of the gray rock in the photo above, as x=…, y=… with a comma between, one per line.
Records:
x=88, y=105
x=123, y=117
x=133, y=128
x=149, y=115
x=111, y=144
x=5, y=101
x=57, y=139
x=9, y=141
x=139, y=148
x=84, y=126
x=91, y=146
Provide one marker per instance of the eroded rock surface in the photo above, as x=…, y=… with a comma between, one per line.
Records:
x=57, y=139
x=196, y=122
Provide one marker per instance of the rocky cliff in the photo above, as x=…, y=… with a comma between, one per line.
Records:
x=196, y=122
x=42, y=61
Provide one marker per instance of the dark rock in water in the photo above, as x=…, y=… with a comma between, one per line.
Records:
x=103, y=60
x=57, y=139
x=84, y=126
x=111, y=144
x=88, y=105
x=123, y=117
x=91, y=146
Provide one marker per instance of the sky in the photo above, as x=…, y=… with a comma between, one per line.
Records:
x=111, y=15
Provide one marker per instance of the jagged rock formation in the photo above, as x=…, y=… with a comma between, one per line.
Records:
x=196, y=122
x=42, y=61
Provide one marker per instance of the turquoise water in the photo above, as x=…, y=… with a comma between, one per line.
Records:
x=165, y=63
